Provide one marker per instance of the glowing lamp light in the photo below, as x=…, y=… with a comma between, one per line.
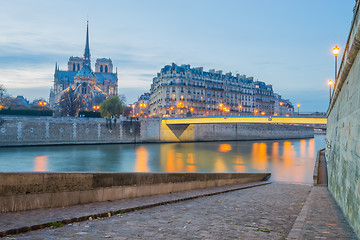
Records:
x=171, y=108
x=220, y=105
x=262, y=113
x=336, y=50
x=281, y=103
x=191, y=109
x=240, y=106
x=330, y=82
x=287, y=115
x=298, y=105
x=275, y=114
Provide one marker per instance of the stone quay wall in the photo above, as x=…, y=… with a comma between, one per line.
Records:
x=25, y=131
x=343, y=131
x=251, y=131
x=22, y=131
x=26, y=191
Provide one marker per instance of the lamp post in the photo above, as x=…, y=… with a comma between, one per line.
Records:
x=330, y=82
x=298, y=106
x=336, y=51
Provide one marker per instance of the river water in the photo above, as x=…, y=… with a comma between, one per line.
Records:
x=287, y=160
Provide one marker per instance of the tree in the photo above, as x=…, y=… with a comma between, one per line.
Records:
x=2, y=91
x=112, y=106
x=70, y=103
x=6, y=100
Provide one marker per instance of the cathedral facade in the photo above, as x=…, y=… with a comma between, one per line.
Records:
x=92, y=87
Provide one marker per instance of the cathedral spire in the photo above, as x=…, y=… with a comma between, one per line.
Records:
x=87, y=60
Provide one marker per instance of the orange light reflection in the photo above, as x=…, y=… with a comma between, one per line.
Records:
x=190, y=163
x=259, y=156
x=141, y=164
x=219, y=165
x=239, y=164
x=40, y=163
x=225, y=148
x=311, y=149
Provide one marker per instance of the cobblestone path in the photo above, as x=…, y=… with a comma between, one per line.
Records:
x=324, y=218
x=264, y=212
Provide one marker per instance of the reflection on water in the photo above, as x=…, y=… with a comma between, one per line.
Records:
x=225, y=148
x=141, y=164
x=290, y=160
x=40, y=164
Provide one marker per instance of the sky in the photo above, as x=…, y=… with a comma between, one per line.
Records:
x=287, y=44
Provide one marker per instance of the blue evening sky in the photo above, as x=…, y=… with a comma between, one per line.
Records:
x=285, y=43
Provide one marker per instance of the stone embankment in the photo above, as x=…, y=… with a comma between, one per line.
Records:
x=27, y=131
x=26, y=191
x=343, y=130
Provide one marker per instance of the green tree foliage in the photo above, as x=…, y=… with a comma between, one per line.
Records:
x=70, y=103
x=112, y=106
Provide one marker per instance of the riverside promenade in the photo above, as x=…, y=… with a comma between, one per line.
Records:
x=260, y=210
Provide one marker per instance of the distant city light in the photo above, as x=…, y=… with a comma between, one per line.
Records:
x=42, y=103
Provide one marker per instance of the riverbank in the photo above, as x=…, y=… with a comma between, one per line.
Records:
x=39, y=131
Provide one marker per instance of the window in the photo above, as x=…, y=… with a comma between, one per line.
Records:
x=101, y=68
x=83, y=89
x=106, y=68
x=78, y=66
x=74, y=67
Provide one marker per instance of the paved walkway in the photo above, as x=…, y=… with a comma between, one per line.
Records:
x=264, y=212
x=18, y=222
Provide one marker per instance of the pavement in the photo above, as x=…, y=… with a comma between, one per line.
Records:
x=321, y=218
x=246, y=211
x=24, y=221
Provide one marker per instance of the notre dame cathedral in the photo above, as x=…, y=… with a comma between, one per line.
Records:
x=92, y=87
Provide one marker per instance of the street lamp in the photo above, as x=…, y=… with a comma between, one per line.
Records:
x=330, y=82
x=336, y=51
x=298, y=109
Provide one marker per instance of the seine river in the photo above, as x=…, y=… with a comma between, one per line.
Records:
x=286, y=160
